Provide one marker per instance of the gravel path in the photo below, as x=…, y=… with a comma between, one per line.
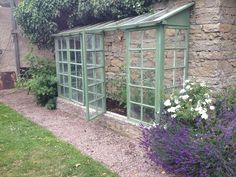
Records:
x=120, y=154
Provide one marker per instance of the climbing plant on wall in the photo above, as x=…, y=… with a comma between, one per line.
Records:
x=40, y=19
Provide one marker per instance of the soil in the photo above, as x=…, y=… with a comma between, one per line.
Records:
x=120, y=154
x=116, y=107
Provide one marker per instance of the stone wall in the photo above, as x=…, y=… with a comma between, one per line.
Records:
x=212, y=56
x=7, y=58
x=212, y=49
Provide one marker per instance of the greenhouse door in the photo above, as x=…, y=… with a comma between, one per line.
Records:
x=94, y=76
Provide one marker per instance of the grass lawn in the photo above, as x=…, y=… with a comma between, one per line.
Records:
x=26, y=149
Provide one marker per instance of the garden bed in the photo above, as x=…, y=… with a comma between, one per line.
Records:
x=116, y=107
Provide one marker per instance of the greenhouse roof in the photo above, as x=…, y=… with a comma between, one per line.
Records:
x=178, y=16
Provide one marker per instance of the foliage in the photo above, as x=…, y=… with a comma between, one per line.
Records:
x=173, y=146
x=40, y=19
x=226, y=99
x=29, y=150
x=120, y=93
x=207, y=151
x=41, y=80
x=192, y=102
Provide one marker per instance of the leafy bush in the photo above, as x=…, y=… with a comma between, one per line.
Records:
x=41, y=80
x=193, y=101
x=207, y=150
x=40, y=19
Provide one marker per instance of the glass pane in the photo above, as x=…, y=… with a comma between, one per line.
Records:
x=135, y=111
x=60, y=79
x=74, y=95
x=149, y=39
x=93, y=109
x=80, y=97
x=77, y=43
x=149, y=59
x=90, y=58
x=100, y=106
x=73, y=70
x=60, y=68
x=65, y=66
x=72, y=43
x=180, y=58
x=77, y=95
x=79, y=70
x=79, y=84
x=135, y=77
x=135, y=94
x=99, y=73
x=63, y=43
x=149, y=97
x=169, y=59
x=73, y=82
x=66, y=80
x=169, y=38
x=149, y=78
x=100, y=89
x=168, y=78
x=61, y=90
x=179, y=75
x=64, y=56
x=98, y=42
x=135, y=39
x=148, y=114
x=99, y=58
x=78, y=57
x=89, y=41
x=181, y=38
x=66, y=93
x=135, y=58
x=72, y=57
x=59, y=44
x=60, y=55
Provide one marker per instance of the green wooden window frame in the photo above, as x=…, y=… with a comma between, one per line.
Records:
x=69, y=64
x=144, y=99
x=166, y=74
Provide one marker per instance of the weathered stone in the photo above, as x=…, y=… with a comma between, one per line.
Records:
x=225, y=28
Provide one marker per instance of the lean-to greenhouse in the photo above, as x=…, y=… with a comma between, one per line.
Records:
x=156, y=62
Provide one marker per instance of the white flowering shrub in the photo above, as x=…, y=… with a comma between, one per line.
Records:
x=193, y=101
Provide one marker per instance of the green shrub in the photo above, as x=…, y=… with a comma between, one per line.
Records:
x=226, y=99
x=192, y=102
x=40, y=19
x=41, y=80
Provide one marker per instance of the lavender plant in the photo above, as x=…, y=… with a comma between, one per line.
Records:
x=208, y=150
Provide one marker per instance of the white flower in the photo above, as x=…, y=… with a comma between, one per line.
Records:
x=203, y=84
x=204, y=116
x=185, y=97
x=212, y=107
x=191, y=109
x=172, y=109
x=167, y=103
x=208, y=101
x=176, y=101
x=173, y=115
x=190, y=100
x=177, y=107
x=165, y=126
x=188, y=87
x=186, y=82
x=182, y=91
x=206, y=95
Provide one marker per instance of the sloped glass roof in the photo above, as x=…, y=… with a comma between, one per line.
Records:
x=145, y=20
